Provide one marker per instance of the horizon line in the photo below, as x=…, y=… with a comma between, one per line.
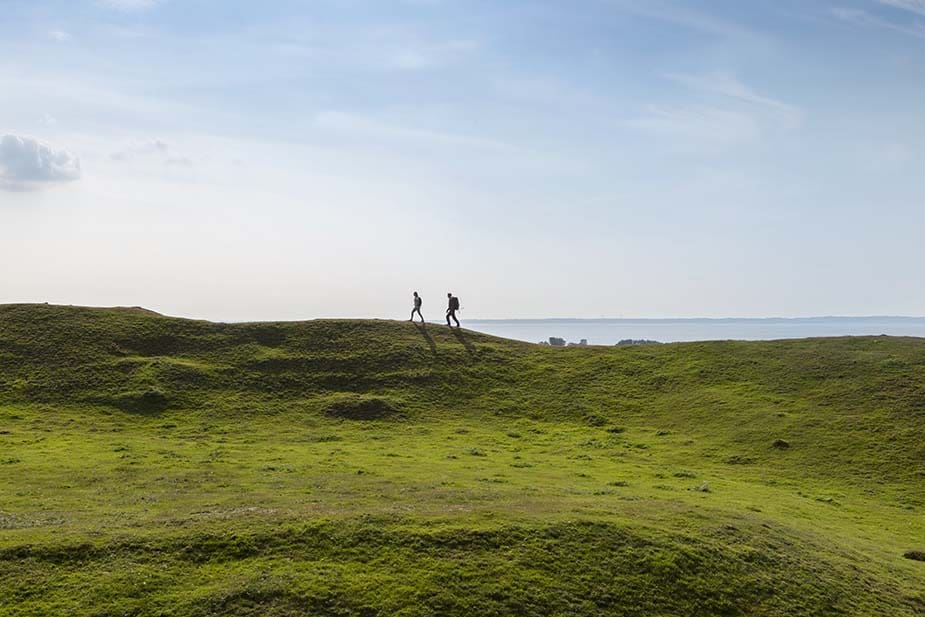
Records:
x=772, y=318
x=499, y=319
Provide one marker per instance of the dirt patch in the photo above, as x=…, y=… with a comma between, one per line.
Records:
x=915, y=555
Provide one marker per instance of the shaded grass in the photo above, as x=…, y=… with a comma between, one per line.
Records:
x=377, y=566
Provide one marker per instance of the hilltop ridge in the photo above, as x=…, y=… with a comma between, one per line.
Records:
x=377, y=467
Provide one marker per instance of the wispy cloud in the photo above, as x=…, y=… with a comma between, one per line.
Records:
x=296, y=50
x=356, y=125
x=731, y=114
x=63, y=88
x=699, y=129
x=123, y=32
x=859, y=17
x=728, y=86
x=430, y=56
x=129, y=5
x=412, y=60
x=915, y=6
x=682, y=16
x=26, y=163
x=156, y=150
x=60, y=35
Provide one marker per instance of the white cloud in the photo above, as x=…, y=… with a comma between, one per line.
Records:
x=60, y=35
x=26, y=162
x=915, y=6
x=129, y=5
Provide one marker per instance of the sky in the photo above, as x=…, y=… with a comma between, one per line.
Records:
x=237, y=160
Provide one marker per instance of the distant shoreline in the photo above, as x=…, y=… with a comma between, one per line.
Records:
x=701, y=319
x=609, y=331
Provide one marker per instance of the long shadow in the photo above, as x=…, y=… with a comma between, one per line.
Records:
x=427, y=337
x=458, y=333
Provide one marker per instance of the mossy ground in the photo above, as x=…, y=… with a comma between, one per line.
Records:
x=157, y=466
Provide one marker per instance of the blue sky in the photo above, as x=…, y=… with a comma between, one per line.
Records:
x=294, y=159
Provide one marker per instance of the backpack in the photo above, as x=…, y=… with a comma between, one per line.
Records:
x=454, y=303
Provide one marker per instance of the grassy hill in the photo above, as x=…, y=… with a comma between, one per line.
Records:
x=160, y=466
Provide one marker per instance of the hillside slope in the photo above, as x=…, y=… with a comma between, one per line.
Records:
x=152, y=465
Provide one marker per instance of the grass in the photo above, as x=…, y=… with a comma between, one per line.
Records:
x=159, y=466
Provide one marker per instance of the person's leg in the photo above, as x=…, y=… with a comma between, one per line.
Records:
x=454, y=318
x=448, y=318
x=412, y=314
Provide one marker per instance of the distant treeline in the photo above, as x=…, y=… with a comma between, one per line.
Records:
x=555, y=341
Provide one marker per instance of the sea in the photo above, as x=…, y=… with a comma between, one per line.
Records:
x=611, y=331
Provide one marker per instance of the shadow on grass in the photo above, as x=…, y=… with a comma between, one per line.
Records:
x=422, y=327
x=461, y=337
x=147, y=403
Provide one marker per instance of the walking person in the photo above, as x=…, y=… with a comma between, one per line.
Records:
x=452, y=307
x=417, y=307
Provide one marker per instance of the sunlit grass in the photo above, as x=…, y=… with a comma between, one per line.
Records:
x=158, y=466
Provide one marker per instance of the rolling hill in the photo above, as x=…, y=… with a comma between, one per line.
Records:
x=159, y=466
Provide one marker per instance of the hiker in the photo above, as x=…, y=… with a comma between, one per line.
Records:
x=417, y=307
x=452, y=307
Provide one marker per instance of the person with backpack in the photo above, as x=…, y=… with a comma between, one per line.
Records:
x=451, y=309
x=417, y=307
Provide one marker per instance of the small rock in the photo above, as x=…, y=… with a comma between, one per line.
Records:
x=915, y=555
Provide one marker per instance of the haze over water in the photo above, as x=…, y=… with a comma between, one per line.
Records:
x=610, y=331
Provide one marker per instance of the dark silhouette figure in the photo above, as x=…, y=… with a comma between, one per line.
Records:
x=452, y=307
x=417, y=307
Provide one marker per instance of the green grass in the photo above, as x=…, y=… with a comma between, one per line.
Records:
x=159, y=466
